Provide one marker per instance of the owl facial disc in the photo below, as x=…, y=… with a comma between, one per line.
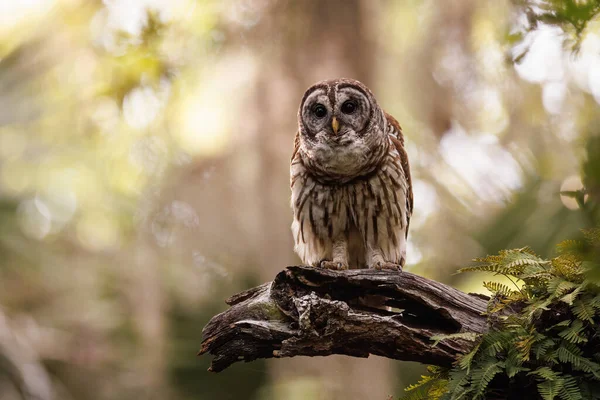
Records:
x=341, y=127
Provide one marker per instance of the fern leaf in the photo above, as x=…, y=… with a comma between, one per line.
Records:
x=592, y=236
x=458, y=386
x=584, y=310
x=470, y=336
x=424, y=380
x=464, y=362
x=549, y=389
x=482, y=268
x=570, y=297
x=573, y=333
x=570, y=389
x=569, y=353
x=558, y=359
x=497, y=288
x=531, y=278
x=565, y=322
x=570, y=247
x=512, y=370
x=508, y=262
x=523, y=345
x=541, y=348
x=483, y=375
x=558, y=287
x=494, y=347
x=595, y=302
x=428, y=388
x=545, y=373
x=568, y=266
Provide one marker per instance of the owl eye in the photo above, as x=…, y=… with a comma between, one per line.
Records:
x=319, y=110
x=348, y=107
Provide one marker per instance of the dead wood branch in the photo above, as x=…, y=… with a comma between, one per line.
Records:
x=309, y=311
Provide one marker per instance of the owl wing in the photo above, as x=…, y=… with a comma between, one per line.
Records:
x=296, y=145
x=398, y=140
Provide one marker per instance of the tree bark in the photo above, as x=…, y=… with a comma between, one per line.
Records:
x=310, y=311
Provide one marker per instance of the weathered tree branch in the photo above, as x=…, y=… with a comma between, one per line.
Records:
x=309, y=311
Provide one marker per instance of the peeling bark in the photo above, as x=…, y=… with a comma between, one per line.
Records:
x=309, y=311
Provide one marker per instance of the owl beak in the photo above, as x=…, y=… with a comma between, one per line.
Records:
x=335, y=125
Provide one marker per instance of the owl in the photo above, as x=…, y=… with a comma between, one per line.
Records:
x=351, y=188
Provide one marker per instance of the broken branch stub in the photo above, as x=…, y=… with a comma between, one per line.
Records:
x=310, y=311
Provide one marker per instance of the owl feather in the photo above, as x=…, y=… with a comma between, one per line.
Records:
x=350, y=179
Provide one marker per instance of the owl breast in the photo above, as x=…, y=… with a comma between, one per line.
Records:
x=368, y=213
x=341, y=158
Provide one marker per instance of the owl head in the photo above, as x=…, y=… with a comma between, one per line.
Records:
x=341, y=129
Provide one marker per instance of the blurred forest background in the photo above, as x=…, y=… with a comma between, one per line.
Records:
x=144, y=170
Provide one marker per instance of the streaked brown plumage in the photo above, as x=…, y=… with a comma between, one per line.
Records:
x=350, y=178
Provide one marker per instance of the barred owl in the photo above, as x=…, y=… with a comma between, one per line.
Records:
x=351, y=187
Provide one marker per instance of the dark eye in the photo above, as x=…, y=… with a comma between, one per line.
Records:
x=319, y=110
x=348, y=107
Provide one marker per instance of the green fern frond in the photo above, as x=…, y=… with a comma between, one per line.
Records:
x=573, y=333
x=540, y=348
x=497, y=288
x=570, y=389
x=549, y=390
x=529, y=261
x=489, y=259
x=558, y=287
x=595, y=302
x=494, y=343
x=592, y=236
x=534, y=310
x=545, y=373
x=569, y=353
x=562, y=323
x=470, y=336
x=483, y=376
x=420, y=394
x=536, y=277
x=583, y=309
x=525, y=344
x=550, y=358
x=458, y=386
x=464, y=362
x=568, y=266
x=430, y=387
x=569, y=298
x=496, y=306
x=570, y=247
x=555, y=360
x=514, y=370
x=484, y=268
x=515, y=356
x=508, y=262
x=424, y=380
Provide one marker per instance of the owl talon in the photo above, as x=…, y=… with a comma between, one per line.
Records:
x=333, y=265
x=380, y=266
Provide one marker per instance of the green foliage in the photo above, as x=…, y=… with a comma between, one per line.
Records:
x=544, y=331
x=463, y=335
x=571, y=16
x=568, y=14
x=430, y=386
